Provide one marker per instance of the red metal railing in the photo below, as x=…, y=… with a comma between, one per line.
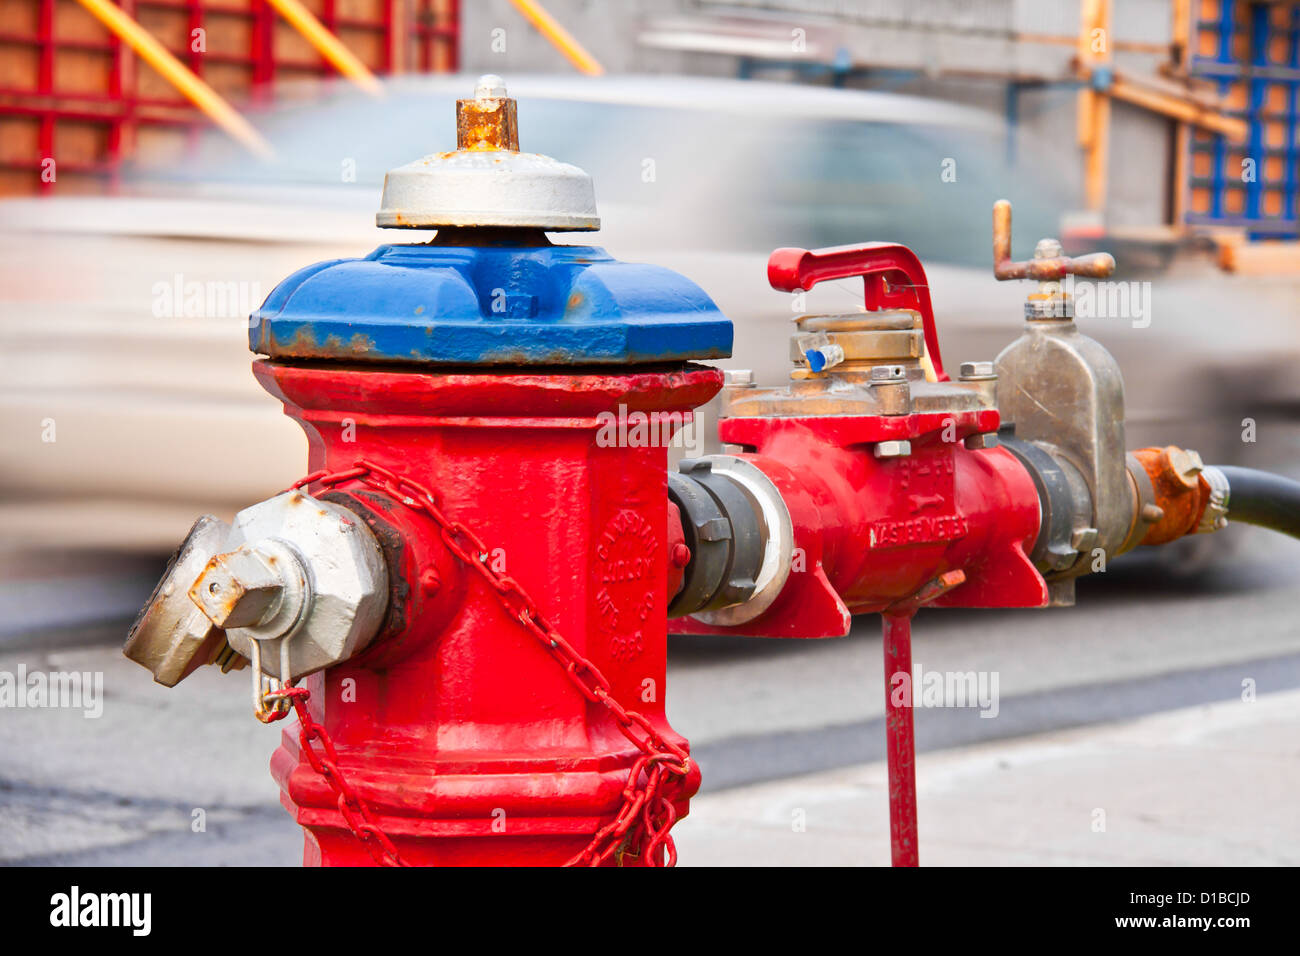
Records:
x=101, y=98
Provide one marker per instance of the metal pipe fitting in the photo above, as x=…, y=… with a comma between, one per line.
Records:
x=1050, y=266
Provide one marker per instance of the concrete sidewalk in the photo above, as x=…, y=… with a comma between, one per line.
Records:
x=1210, y=785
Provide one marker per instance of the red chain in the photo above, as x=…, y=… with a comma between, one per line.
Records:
x=640, y=829
x=355, y=811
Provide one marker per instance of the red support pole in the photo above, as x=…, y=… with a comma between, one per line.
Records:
x=45, y=85
x=900, y=745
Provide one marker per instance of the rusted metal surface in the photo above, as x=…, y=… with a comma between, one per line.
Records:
x=244, y=587
x=488, y=121
x=1181, y=491
x=1098, y=265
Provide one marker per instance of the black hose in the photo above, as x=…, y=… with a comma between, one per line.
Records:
x=1264, y=499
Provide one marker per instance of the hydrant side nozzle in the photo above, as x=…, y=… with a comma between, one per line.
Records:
x=297, y=570
x=172, y=637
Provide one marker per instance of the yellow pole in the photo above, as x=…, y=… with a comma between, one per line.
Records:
x=562, y=39
x=178, y=75
x=328, y=45
x=1093, y=104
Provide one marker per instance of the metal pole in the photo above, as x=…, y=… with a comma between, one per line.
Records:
x=900, y=745
x=560, y=38
x=328, y=45
x=177, y=74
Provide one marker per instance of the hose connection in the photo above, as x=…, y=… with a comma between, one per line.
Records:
x=1190, y=498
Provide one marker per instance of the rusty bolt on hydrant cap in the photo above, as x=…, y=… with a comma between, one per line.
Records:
x=490, y=120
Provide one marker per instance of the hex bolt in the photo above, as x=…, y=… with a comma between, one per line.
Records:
x=887, y=374
x=490, y=120
x=248, y=587
x=893, y=393
x=981, y=441
x=983, y=376
x=1048, y=249
x=1081, y=539
x=893, y=449
x=1186, y=465
x=430, y=581
x=975, y=371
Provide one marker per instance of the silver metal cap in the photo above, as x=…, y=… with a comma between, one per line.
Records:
x=487, y=181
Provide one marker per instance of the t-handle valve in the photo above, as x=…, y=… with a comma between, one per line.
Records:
x=1048, y=264
x=893, y=278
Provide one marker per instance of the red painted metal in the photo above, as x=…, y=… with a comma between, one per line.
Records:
x=467, y=742
x=431, y=31
x=871, y=532
x=900, y=747
x=944, y=525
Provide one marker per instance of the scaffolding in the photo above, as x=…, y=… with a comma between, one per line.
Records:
x=72, y=90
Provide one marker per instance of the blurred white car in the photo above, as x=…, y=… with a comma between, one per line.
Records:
x=125, y=394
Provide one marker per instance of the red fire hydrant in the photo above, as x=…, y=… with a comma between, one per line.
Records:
x=462, y=400
x=479, y=729
x=466, y=601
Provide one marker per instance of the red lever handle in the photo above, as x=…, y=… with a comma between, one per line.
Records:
x=892, y=276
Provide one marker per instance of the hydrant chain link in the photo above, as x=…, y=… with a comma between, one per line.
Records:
x=641, y=826
x=353, y=809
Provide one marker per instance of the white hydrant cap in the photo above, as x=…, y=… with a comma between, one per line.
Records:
x=487, y=181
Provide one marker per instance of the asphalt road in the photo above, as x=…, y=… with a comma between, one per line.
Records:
x=124, y=788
